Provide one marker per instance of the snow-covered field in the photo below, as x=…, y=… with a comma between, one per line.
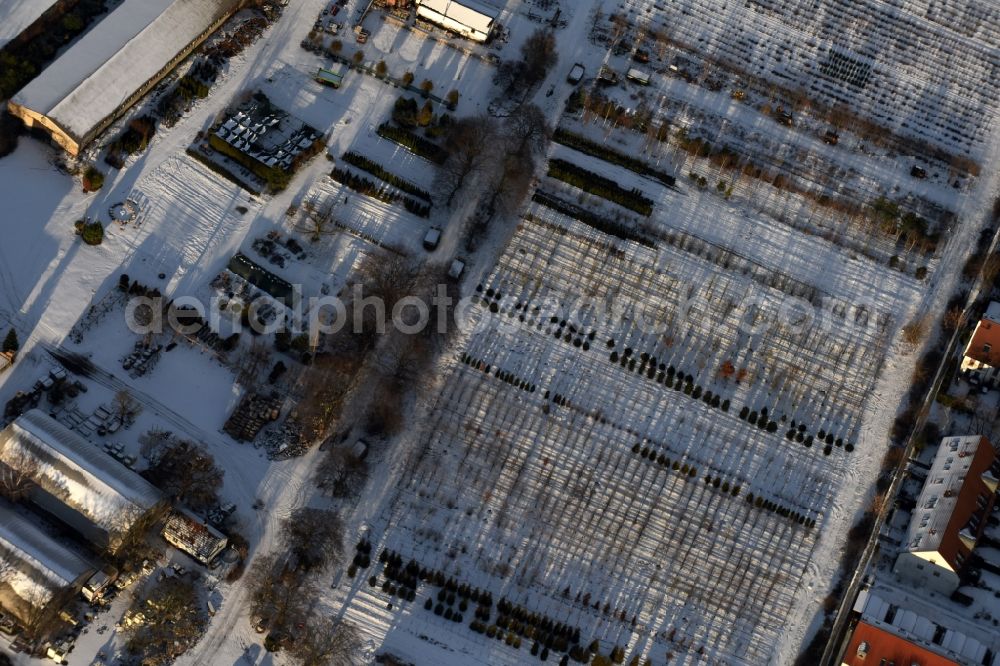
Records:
x=612, y=470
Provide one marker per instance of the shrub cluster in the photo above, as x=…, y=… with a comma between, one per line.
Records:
x=598, y=185
x=93, y=179
x=134, y=139
x=92, y=233
x=546, y=633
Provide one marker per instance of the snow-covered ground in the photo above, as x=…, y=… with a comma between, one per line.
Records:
x=553, y=485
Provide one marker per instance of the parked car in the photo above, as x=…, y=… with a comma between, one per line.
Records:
x=576, y=74
x=432, y=239
x=456, y=269
x=360, y=449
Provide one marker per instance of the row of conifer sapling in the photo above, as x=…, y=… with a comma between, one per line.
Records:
x=559, y=328
x=498, y=372
x=667, y=375
x=796, y=432
x=720, y=484
x=513, y=625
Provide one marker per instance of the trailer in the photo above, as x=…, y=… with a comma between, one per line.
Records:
x=576, y=74
x=639, y=76
x=329, y=78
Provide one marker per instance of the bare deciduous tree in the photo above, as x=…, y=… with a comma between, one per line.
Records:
x=468, y=144
x=327, y=641
x=17, y=475
x=276, y=592
x=187, y=473
x=915, y=331
x=315, y=537
x=317, y=221
x=153, y=442
x=527, y=130
x=340, y=473
x=126, y=407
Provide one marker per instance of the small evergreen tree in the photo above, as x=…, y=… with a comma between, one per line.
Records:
x=426, y=115
x=10, y=343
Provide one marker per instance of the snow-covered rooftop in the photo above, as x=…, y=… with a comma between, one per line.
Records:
x=993, y=312
x=129, y=47
x=193, y=535
x=926, y=626
x=472, y=14
x=39, y=565
x=17, y=15
x=77, y=473
x=949, y=495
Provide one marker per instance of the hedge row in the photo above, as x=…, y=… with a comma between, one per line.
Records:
x=417, y=145
x=222, y=171
x=594, y=149
x=602, y=224
x=376, y=169
x=380, y=192
x=598, y=185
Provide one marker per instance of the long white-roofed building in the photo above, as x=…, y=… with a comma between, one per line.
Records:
x=101, y=76
x=38, y=574
x=77, y=483
x=470, y=18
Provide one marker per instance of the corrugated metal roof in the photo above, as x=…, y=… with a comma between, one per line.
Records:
x=76, y=472
x=41, y=565
x=126, y=49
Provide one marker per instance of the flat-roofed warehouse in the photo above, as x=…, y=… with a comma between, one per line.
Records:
x=77, y=483
x=94, y=82
x=16, y=16
x=470, y=18
x=39, y=574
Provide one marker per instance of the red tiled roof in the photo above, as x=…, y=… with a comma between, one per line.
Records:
x=985, y=343
x=883, y=645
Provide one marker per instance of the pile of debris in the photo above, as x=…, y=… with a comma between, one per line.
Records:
x=142, y=359
x=253, y=413
x=282, y=441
